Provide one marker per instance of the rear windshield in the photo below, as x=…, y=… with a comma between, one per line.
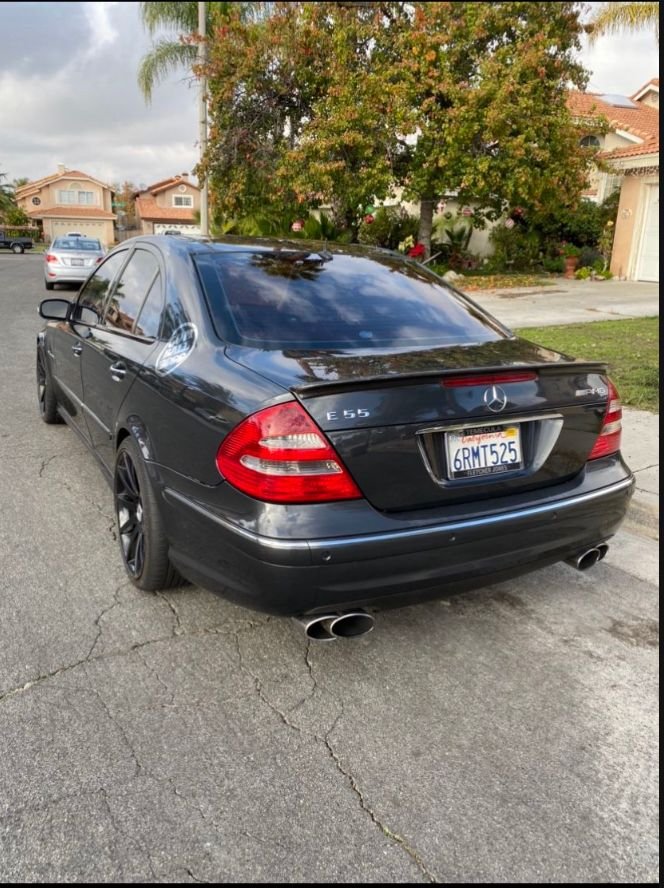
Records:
x=76, y=243
x=285, y=299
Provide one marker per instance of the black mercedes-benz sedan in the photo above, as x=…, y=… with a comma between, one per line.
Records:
x=311, y=430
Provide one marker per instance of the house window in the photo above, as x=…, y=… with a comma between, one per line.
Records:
x=76, y=197
x=183, y=200
x=590, y=142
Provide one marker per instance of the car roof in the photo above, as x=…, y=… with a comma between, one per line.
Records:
x=186, y=244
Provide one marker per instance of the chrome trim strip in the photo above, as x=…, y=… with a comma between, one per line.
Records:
x=429, y=530
x=491, y=420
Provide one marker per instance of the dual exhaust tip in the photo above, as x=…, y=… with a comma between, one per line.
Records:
x=589, y=558
x=329, y=627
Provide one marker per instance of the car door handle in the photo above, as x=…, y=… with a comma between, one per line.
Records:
x=118, y=371
x=77, y=349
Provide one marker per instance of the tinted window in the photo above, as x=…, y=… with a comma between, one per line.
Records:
x=289, y=299
x=77, y=243
x=149, y=319
x=94, y=292
x=130, y=290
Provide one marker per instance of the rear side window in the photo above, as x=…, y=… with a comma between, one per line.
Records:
x=149, y=319
x=287, y=299
x=94, y=292
x=131, y=289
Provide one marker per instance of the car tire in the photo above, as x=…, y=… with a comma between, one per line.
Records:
x=17, y=248
x=49, y=285
x=143, y=544
x=48, y=403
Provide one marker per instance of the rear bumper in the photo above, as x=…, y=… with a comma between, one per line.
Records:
x=398, y=567
x=55, y=274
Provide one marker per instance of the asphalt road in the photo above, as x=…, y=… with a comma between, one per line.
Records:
x=506, y=735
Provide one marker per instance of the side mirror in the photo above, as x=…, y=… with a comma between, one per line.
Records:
x=55, y=309
x=85, y=315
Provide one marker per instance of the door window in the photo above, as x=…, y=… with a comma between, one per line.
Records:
x=131, y=289
x=91, y=300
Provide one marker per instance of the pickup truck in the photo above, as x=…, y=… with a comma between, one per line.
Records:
x=15, y=244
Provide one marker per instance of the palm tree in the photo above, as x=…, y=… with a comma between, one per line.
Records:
x=611, y=18
x=172, y=53
x=6, y=194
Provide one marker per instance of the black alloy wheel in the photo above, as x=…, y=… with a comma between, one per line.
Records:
x=143, y=543
x=129, y=507
x=48, y=404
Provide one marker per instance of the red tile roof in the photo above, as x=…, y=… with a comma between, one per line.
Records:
x=147, y=208
x=71, y=213
x=167, y=183
x=68, y=174
x=634, y=150
x=642, y=121
x=654, y=81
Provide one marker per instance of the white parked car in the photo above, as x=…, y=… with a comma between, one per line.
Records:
x=70, y=259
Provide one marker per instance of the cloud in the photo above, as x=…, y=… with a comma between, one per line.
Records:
x=68, y=92
x=82, y=107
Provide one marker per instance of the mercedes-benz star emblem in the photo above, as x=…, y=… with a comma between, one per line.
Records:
x=495, y=399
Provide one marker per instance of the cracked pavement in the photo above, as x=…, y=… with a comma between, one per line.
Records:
x=505, y=735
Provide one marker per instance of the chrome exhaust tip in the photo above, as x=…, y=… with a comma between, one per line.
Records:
x=317, y=628
x=589, y=558
x=352, y=624
x=329, y=627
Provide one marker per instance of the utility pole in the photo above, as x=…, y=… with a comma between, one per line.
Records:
x=202, y=112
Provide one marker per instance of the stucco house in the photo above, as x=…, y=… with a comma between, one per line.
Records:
x=631, y=149
x=168, y=205
x=69, y=200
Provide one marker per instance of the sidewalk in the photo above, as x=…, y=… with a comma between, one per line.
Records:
x=570, y=302
x=640, y=447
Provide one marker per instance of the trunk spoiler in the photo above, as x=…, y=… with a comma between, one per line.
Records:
x=311, y=389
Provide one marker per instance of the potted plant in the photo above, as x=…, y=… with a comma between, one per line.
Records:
x=570, y=254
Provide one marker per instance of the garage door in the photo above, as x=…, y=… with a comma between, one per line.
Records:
x=87, y=229
x=647, y=266
x=161, y=227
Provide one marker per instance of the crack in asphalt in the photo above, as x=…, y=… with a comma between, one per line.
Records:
x=325, y=741
x=178, y=629
x=137, y=646
x=46, y=462
x=97, y=623
x=130, y=837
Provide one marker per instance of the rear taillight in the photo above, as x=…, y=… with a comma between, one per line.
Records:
x=281, y=456
x=608, y=440
x=51, y=258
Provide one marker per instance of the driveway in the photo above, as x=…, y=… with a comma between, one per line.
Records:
x=569, y=302
x=504, y=735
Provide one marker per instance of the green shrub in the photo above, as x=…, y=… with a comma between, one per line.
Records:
x=390, y=226
x=582, y=274
x=515, y=249
x=554, y=265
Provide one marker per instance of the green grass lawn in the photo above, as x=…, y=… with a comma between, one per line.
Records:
x=630, y=348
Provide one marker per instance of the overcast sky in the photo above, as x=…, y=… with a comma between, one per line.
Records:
x=68, y=92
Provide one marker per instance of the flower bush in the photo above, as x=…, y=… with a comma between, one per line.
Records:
x=418, y=251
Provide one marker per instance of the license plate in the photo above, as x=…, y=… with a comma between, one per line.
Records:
x=77, y=262
x=489, y=450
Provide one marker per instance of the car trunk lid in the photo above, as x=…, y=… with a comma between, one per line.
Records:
x=527, y=416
